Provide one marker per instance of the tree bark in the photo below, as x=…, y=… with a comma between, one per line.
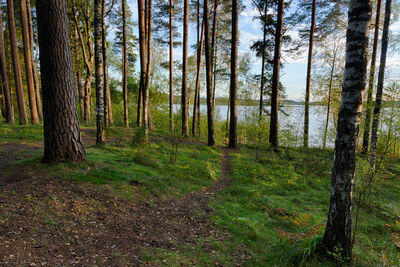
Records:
x=213, y=47
x=4, y=75
x=308, y=81
x=196, y=106
x=233, y=143
x=81, y=92
x=263, y=60
x=328, y=109
x=107, y=94
x=381, y=77
x=23, y=118
x=171, y=67
x=338, y=238
x=368, y=112
x=125, y=70
x=28, y=63
x=146, y=92
x=99, y=71
x=62, y=139
x=143, y=57
x=273, y=131
x=184, y=97
x=34, y=70
x=210, y=108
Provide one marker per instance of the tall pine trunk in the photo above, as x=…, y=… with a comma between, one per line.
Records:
x=143, y=57
x=23, y=117
x=184, y=96
x=80, y=89
x=196, y=106
x=34, y=70
x=28, y=63
x=381, y=77
x=273, y=131
x=171, y=67
x=338, y=232
x=213, y=47
x=99, y=71
x=328, y=108
x=125, y=71
x=308, y=80
x=210, y=108
x=263, y=59
x=233, y=142
x=368, y=112
x=62, y=138
x=146, y=88
x=4, y=75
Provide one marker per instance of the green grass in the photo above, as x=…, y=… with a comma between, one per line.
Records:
x=19, y=133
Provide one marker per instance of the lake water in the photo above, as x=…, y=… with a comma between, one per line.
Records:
x=292, y=120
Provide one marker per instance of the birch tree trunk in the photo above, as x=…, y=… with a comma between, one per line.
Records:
x=338, y=232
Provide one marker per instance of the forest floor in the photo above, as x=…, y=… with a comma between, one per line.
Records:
x=46, y=220
x=132, y=204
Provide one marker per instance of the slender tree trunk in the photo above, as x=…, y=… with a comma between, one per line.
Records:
x=338, y=238
x=381, y=77
x=210, y=108
x=125, y=71
x=23, y=118
x=228, y=111
x=81, y=92
x=263, y=59
x=34, y=70
x=273, y=131
x=28, y=63
x=99, y=71
x=197, y=69
x=308, y=83
x=146, y=94
x=328, y=109
x=107, y=93
x=213, y=46
x=233, y=143
x=368, y=112
x=143, y=55
x=196, y=106
x=215, y=68
x=184, y=98
x=4, y=75
x=62, y=138
x=171, y=67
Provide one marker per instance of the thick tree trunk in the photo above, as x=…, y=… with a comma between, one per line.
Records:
x=125, y=69
x=143, y=56
x=184, y=97
x=273, y=131
x=4, y=75
x=381, y=77
x=368, y=112
x=308, y=81
x=328, y=108
x=23, y=118
x=233, y=143
x=196, y=106
x=28, y=63
x=338, y=238
x=171, y=67
x=210, y=108
x=34, y=70
x=62, y=138
x=99, y=71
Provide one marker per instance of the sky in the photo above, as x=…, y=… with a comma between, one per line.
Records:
x=293, y=75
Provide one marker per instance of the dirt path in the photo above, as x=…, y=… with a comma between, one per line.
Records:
x=48, y=221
